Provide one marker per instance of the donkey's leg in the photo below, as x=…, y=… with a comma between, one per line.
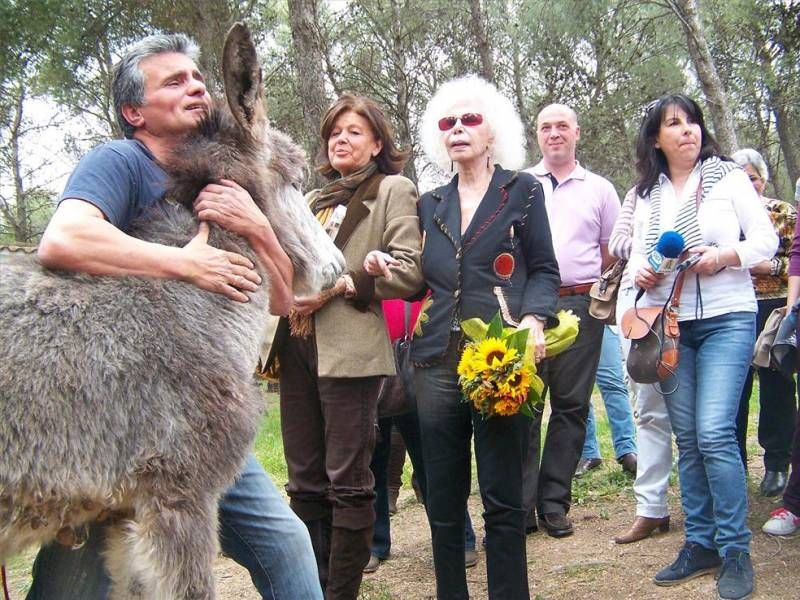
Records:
x=168, y=553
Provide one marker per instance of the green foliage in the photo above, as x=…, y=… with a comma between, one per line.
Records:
x=606, y=58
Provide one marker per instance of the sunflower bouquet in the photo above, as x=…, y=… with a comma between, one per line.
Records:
x=496, y=372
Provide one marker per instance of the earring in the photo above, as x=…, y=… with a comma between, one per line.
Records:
x=451, y=166
x=487, y=162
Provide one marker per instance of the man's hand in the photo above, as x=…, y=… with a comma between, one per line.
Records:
x=218, y=271
x=377, y=263
x=230, y=205
x=536, y=343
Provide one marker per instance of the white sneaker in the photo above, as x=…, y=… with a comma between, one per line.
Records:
x=781, y=522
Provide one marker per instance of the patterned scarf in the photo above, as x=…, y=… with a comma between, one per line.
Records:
x=711, y=171
x=339, y=191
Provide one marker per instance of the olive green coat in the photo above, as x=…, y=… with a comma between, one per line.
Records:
x=350, y=334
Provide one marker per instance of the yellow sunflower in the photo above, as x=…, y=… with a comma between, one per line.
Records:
x=505, y=407
x=494, y=353
x=517, y=383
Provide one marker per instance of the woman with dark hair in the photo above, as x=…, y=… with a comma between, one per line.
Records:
x=332, y=363
x=686, y=186
x=487, y=249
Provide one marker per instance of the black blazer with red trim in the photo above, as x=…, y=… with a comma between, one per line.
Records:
x=504, y=257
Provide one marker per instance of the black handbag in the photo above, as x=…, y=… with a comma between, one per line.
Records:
x=397, y=394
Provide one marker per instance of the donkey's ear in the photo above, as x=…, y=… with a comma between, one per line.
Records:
x=241, y=74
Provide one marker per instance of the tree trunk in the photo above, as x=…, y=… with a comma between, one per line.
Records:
x=308, y=67
x=519, y=95
x=20, y=221
x=401, y=90
x=721, y=114
x=478, y=26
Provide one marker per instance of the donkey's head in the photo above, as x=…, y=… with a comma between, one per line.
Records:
x=317, y=262
x=236, y=142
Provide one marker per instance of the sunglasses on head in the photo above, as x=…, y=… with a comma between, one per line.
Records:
x=467, y=120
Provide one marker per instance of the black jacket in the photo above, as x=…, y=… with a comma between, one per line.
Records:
x=466, y=274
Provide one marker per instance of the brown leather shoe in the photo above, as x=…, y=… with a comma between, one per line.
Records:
x=642, y=527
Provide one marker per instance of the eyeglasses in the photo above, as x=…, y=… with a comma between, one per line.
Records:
x=467, y=119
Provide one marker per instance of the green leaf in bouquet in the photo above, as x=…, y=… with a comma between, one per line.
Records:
x=475, y=329
x=495, y=327
x=518, y=340
x=525, y=409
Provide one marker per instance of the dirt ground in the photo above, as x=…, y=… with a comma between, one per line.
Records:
x=586, y=565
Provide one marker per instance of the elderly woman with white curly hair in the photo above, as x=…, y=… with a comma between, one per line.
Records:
x=486, y=248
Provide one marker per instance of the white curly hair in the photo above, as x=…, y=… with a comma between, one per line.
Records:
x=498, y=112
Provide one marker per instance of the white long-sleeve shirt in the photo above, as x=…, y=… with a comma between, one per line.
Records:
x=731, y=208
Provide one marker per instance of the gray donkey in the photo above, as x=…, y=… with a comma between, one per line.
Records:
x=132, y=399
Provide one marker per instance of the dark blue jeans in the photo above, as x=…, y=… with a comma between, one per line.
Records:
x=447, y=424
x=257, y=529
x=408, y=426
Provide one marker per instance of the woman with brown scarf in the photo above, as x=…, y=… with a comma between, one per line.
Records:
x=332, y=363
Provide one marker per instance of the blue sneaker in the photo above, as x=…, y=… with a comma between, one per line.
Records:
x=736, y=577
x=693, y=561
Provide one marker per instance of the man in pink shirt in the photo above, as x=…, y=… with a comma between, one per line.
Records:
x=582, y=208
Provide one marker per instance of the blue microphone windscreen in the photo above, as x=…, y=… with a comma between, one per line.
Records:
x=670, y=244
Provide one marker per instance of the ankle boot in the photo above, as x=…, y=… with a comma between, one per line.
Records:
x=349, y=554
x=394, y=476
x=642, y=527
x=320, y=532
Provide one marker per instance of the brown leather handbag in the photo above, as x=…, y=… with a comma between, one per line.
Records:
x=603, y=295
x=655, y=336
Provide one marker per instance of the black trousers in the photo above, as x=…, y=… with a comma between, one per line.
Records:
x=778, y=406
x=447, y=424
x=569, y=379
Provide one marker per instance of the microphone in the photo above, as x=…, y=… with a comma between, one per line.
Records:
x=664, y=257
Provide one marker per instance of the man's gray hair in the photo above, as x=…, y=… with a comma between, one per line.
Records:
x=497, y=110
x=127, y=83
x=748, y=156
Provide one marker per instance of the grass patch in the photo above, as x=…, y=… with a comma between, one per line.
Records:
x=371, y=590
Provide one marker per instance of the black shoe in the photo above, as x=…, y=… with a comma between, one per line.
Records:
x=736, y=577
x=587, y=464
x=693, y=560
x=628, y=462
x=556, y=524
x=773, y=483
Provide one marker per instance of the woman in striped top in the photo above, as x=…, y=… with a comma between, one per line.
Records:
x=686, y=186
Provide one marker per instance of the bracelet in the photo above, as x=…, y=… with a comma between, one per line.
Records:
x=775, y=268
x=716, y=259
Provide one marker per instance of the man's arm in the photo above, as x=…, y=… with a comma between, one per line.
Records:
x=79, y=238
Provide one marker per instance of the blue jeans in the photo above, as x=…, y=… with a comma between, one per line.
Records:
x=611, y=381
x=408, y=426
x=714, y=358
x=257, y=529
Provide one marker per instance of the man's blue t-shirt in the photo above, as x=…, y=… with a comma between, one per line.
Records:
x=121, y=178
